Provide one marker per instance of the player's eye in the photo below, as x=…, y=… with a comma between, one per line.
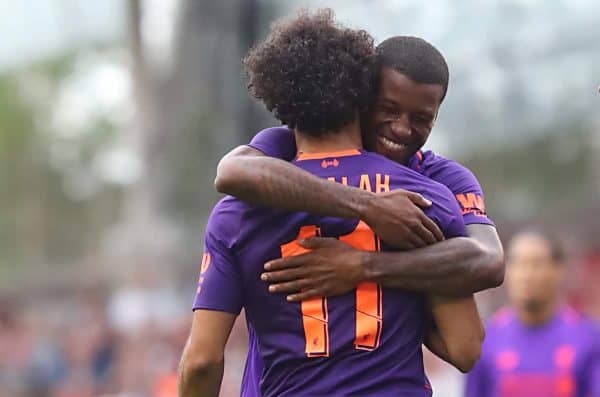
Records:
x=423, y=119
x=387, y=110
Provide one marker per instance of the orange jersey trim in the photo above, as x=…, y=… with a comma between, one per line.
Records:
x=420, y=156
x=321, y=155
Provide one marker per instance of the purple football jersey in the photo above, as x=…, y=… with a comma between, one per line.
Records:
x=367, y=342
x=279, y=142
x=558, y=359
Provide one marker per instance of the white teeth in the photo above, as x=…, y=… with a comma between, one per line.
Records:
x=391, y=144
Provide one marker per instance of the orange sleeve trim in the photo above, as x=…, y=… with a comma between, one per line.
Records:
x=321, y=155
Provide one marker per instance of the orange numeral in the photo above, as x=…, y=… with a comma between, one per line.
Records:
x=369, y=311
x=315, y=317
x=369, y=314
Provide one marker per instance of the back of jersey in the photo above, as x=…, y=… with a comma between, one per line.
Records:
x=367, y=342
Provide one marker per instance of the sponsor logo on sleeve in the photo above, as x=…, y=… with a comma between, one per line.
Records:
x=472, y=203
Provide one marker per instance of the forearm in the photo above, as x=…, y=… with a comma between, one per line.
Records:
x=200, y=380
x=277, y=184
x=435, y=343
x=460, y=330
x=458, y=266
x=202, y=361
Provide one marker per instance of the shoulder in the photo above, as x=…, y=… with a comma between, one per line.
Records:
x=225, y=220
x=416, y=181
x=583, y=332
x=499, y=329
x=502, y=319
x=460, y=180
x=432, y=163
x=456, y=176
x=399, y=169
x=277, y=130
x=276, y=142
x=445, y=209
x=579, y=323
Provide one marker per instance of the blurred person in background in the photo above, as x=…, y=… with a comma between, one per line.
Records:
x=539, y=346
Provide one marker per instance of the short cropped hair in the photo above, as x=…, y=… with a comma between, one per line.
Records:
x=312, y=73
x=555, y=246
x=416, y=59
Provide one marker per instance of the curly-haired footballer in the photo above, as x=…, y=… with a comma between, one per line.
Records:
x=314, y=74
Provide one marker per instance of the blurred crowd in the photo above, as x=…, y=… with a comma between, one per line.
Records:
x=95, y=339
x=84, y=341
x=89, y=342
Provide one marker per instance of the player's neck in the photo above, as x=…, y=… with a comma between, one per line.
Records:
x=540, y=315
x=346, y=138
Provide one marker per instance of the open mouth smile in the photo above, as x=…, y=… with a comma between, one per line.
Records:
x=389, y=144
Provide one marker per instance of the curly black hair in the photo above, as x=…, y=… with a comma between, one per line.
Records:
x=312, y=73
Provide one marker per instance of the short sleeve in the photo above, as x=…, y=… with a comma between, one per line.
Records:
x=469, y=195
x=278, y=142
x=220, y=284
x=446, y=212
x=462, y=183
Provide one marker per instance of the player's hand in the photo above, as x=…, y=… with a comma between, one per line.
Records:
x=332, y=268
x=397, y=218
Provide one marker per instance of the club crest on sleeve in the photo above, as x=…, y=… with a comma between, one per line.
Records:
x=206, y=258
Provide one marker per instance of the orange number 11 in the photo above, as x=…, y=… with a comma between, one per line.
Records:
x=369, y=315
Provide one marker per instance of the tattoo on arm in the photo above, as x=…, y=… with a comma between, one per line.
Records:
x=275, y=183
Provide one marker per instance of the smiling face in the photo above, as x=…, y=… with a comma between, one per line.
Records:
x=402, y=116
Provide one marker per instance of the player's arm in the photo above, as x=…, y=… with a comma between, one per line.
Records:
x=453, y=267
x=202, y=362
x=459, y=331
x=249, y=175
x=218, y=301
x=246, y=173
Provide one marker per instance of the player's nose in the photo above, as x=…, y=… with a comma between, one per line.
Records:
x=400, y=128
